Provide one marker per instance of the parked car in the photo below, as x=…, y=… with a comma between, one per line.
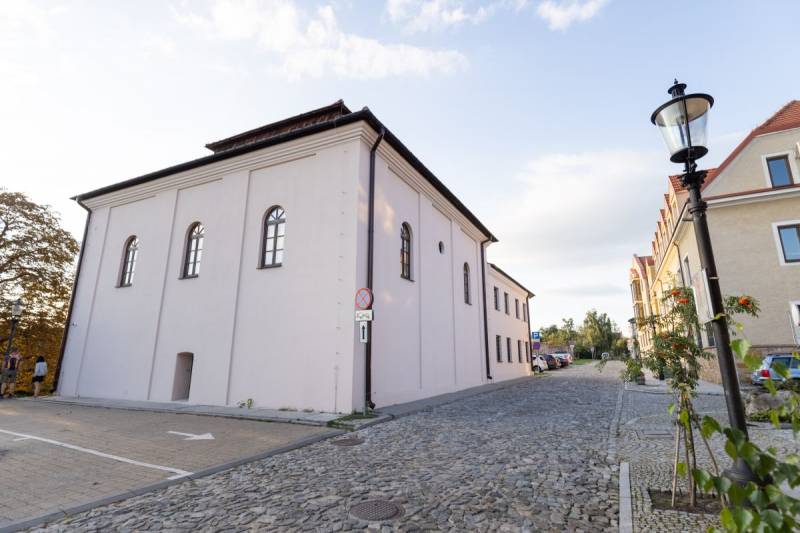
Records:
x=539, y=363
x=766, y=370
x=552, y=362
x=564, y=357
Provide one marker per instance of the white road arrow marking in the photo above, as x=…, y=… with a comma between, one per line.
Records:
x=192, y=436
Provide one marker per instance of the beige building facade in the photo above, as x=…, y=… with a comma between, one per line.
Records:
x=754, y=219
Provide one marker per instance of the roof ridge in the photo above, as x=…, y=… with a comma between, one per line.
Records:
x=778, y=113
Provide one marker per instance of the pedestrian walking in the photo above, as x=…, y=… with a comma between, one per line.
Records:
x=39, y=373
x=10, y=367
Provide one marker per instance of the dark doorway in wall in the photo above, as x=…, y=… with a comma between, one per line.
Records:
x=183, y=376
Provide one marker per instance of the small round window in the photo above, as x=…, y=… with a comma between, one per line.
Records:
x=441, y=247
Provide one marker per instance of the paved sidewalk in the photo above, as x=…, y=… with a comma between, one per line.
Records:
x=532, y=456
x=647, y=437
x=267, y=415
x=653, y=385
x=56, y=457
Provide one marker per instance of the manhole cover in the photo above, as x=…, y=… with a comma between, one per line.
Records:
x=348, y=441
x=376, y=510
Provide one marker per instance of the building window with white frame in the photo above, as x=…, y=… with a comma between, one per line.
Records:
x=497, y=299
x=780, y=173
x=499, y=348
x=519, y=351
x=194, y=250
x=516, y=307
x=131, y=251
x=274, y=234
x=405, y=251
x=790, y=242
x=524, y=311
x=505, y=301
x=508, y=349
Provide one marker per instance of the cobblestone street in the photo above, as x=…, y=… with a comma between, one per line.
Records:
x=533, y=456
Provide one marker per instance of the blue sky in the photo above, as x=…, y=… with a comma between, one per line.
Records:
x=535, y=113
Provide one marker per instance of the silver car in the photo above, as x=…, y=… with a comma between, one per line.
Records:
x=766, y=370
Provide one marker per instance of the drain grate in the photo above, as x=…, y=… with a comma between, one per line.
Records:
x=348, y=441
x=376, y=510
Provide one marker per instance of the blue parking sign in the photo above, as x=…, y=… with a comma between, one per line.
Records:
x=535, y=335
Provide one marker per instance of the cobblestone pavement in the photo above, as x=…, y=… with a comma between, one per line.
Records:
x=647, y=442
x=529, y=457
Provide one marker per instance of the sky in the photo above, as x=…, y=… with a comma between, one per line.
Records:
x=535, y=113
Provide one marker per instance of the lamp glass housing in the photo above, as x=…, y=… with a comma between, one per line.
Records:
x=16, y=309
x=682, y=122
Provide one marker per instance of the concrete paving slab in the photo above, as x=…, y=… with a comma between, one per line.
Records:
x=64, y=457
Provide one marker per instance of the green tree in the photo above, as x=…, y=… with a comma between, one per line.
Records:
x=36, y=264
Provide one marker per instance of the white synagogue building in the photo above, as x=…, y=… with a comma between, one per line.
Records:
x=232, y=277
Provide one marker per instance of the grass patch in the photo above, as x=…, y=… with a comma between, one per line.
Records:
x=342, y=421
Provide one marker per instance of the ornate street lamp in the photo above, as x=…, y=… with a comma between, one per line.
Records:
x=682, y=121
x=16, y=312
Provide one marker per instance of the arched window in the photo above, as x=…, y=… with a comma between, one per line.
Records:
x=129, y=261
x=273, y=236
x=467, y=299
x=194, y=250
x=405, y=251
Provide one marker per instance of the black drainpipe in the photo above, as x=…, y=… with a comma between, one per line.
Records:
x=72, y=297
x=530, y=341
x=368, y=403
x=485, y=316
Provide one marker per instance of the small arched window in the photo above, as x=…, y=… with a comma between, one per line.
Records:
x=131, y=251
x=405, y=251
x=467, y=298
x=273, y=236
x=194, y=250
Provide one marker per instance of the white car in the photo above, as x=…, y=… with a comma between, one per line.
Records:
x=538, y=363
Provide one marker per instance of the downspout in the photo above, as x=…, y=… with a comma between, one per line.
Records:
x=368, y=403
x=485, y=316
x=72, y=297
x=530, y=341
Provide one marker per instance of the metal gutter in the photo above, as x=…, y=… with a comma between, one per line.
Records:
x=72, y=298
x=368, y=403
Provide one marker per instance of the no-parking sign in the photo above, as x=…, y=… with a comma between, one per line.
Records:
x=363, y=298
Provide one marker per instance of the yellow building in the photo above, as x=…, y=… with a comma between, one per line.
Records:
x=754, y=218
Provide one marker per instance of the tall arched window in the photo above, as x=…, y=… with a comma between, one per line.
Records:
x=273, y=236
x=131, y=250
x=194, y=250
x=405, y=251
x=467, y=298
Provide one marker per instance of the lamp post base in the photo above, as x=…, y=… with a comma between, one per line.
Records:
x=740, y=473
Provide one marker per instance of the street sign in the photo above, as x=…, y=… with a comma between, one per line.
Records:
x=363, y=332
x=536, y=345
x=535, y=335
x=363, y=298
x=363, y=315
x=702, y=297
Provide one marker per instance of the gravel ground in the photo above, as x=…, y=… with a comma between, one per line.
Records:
x=530, y=457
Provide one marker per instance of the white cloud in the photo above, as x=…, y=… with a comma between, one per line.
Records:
x=560, y=14
x=305, y=45
x=576, y=222
x=435, y=15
